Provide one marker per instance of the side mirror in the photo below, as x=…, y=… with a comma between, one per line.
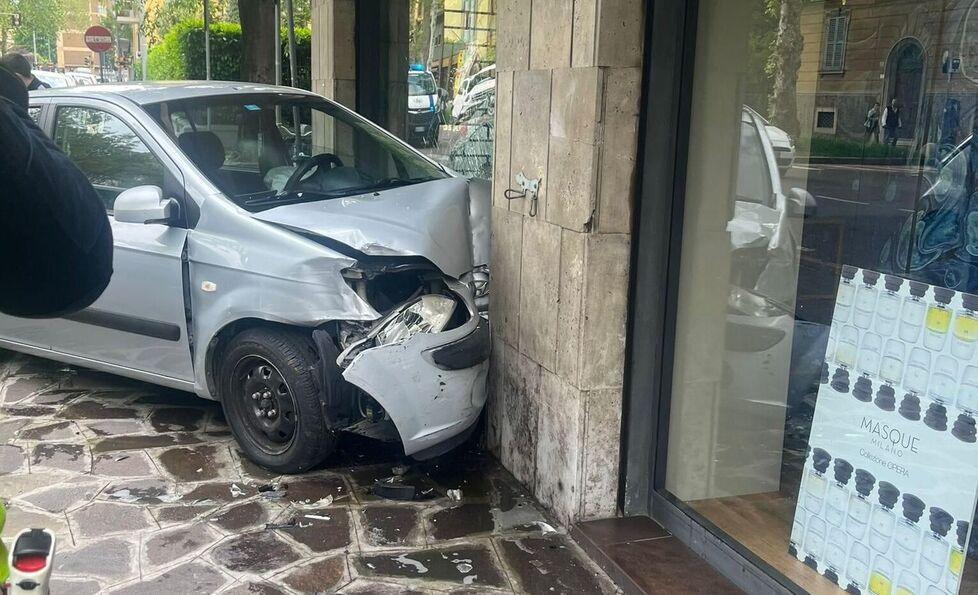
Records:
x=145, y=204
x=801, y=203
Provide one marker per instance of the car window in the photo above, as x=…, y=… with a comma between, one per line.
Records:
x=107, y=151
x=35, y=113
x=753, y=176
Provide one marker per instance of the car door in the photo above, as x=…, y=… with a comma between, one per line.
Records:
x=140, y=321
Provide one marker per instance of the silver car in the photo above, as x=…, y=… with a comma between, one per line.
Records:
x=279, y=253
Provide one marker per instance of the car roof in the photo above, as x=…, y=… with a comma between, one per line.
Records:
x=158, y=91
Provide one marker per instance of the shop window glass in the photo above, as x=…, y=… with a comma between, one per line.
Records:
x=825, y=139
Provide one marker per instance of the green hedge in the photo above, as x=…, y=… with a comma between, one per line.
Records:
x=843, y=148
x=180, y=56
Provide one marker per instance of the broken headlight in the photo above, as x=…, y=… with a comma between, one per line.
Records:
x=429, y=314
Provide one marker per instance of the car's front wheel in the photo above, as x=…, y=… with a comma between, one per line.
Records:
x=272, y=401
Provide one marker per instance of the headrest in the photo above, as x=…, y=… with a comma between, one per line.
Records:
x=13, y=89
x=204, y=148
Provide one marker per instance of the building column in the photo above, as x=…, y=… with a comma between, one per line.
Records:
x=567, y=112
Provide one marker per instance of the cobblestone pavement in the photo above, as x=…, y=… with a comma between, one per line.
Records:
x=148, y=493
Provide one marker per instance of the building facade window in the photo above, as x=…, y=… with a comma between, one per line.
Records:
x=836, y=32
x=814, y=247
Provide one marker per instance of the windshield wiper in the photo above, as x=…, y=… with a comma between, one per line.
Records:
x=385, y=183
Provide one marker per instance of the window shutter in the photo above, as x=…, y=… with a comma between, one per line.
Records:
x=835, y=43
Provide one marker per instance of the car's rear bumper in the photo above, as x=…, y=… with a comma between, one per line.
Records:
x=433, y=386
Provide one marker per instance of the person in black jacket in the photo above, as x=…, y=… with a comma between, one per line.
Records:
x=21, y=66
x=55, y=238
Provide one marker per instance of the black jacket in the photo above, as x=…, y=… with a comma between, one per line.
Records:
x=36, y=84
x=55, y=238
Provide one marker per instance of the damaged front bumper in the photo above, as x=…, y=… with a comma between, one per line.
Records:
x=432, y=385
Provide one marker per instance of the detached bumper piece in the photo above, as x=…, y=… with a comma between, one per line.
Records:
x=30, y=562
x=468, y=351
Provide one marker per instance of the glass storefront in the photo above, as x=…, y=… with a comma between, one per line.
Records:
x=829, y=139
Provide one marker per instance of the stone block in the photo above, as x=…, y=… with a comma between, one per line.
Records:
x=513, y=25
x=520, y=391
x=530, y=143
x=605, y=310
x=504, y=128
x=585, y=25
x=569, y=312
x=617, y=170
x=601, y=441
x=576, y=105
x=539, y=292
x=558, y=456
x=507, y=261
x=620, y=28
x=571, y=190
x=551, y=26
x=495, y=401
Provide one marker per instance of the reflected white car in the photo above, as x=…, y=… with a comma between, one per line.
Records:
x=326, y=281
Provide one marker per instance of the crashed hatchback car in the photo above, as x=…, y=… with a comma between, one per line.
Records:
x=279, y=253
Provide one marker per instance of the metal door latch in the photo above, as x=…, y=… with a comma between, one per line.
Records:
x=527, y=189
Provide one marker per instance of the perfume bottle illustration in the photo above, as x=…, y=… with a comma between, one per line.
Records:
x=965, y=333
x=934, y=549
x=838, y=496
x=868, y=366
x=907, y=535
x=935, y=590
x=835, y=554
x=912, y=313
x=797, y=533
x=859, y=506
x=845, y=357
x=845, y=296
x=964, y=428
x=908, y=584
x=938, y=319
x=866, y=296
x=857, y=571
x=943, y=385
x=883, y=521
x=881, y=580
x=955, y=562
x=891, y=372
x=888, y=306
x=816, y=483
x=814, y=541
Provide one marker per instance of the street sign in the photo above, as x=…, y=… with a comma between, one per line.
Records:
x=98, y=39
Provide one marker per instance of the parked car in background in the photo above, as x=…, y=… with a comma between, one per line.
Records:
x=334, y=279
x=55, y=80
x=82, y=78
x=424, y=108
x=781, y=143
x=472, y=91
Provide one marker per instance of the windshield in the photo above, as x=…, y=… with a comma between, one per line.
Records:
x=421, y=83
x=248, y=147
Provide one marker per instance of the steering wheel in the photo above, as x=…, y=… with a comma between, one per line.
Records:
x=318, y=161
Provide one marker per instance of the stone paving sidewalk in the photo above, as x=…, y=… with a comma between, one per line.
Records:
x=148, y=493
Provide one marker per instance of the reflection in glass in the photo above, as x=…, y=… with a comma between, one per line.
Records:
x=881, y=579
x=857, y=572
x=918, y=371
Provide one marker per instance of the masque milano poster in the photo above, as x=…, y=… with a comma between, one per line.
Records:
x=889, y=485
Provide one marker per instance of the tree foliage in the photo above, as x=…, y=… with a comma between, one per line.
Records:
x=40, y=18
x=180, y=56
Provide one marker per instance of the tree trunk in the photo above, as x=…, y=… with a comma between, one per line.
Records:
x=787, y=61
x=257, y=40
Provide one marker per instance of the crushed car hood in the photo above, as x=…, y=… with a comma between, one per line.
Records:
x=443, y=220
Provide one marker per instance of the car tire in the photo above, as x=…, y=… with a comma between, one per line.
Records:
x=272, y=400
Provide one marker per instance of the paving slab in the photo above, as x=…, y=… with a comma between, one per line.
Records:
x=258, y=552
x=8, y=428
x=112, y=559
x=314, y=490
x=463, y=564
x=61, y=455
x=222, y=492
x=253, y=587
x=193, y=577
x=390, y=525
x=192, y=464
x=60, y=498
x=75, y=587
x=151, y=490
x=178, y=419
x=62, y=430
x=462, y=520
x=123, y=464
x=12, y=458
x=113, y=427
x=21, y=387
x=243, y=516
x=106, y=518
x=369, y=587
x=318, y=576
x=165, y=547
x=547, y=565
x=140, y=441
x=320, y=529
x=180, y=514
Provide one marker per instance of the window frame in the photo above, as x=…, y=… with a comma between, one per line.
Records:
x=839, y=42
